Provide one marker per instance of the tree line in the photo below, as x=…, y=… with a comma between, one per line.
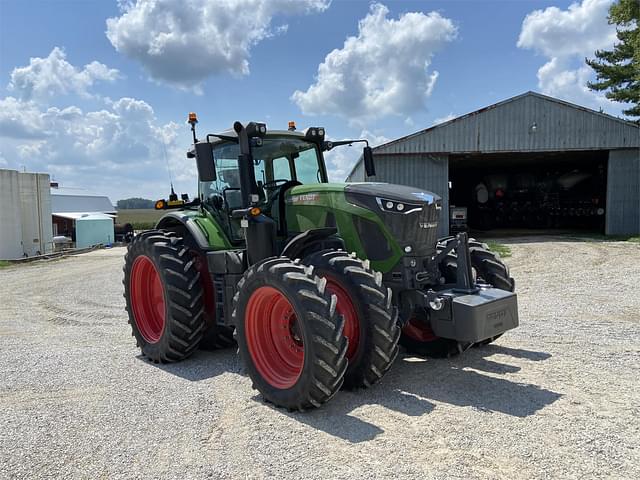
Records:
x=618, y=70
x=135, y=203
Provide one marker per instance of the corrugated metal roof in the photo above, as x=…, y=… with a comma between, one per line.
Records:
x=527, y=122
x=95, y=216
x=78, y=215
x=80, y=203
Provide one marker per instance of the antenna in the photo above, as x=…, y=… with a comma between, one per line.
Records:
x=166, y=159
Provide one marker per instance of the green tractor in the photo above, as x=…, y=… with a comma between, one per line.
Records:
x=317, y=282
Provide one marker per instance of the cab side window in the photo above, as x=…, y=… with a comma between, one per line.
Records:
x=281, y=169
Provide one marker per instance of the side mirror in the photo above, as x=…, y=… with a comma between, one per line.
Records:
x=204, y=160
x=369, y=166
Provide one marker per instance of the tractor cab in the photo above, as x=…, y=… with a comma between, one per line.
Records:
x=281, y=160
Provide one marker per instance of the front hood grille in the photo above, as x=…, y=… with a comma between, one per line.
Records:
x=415, y=226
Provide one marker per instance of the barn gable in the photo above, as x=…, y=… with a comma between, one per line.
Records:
x=529, y=122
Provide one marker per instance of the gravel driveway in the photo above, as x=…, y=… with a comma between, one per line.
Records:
x=558, y=397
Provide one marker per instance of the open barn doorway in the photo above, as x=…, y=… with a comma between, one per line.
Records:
x=537, y=191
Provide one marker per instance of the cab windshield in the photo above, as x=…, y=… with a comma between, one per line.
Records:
x=276, y=161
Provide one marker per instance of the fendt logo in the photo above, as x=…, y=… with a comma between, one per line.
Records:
x=427, y=224
x=497, y=318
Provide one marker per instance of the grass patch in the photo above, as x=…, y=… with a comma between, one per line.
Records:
x=4, y=263
x=141, y=219
x=599, y=237
x=503, y=250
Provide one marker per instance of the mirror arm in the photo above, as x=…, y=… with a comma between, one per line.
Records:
x=328, y=145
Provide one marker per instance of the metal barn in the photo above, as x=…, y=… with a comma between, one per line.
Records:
x=531, y=161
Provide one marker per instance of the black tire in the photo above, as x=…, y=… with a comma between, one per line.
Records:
x=376, y=320
x=489, y=268
x=178, y=281
x=488, y=265
x=313, y=328
x=215, y=336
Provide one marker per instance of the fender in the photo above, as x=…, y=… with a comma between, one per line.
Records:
x=176, y=219
x=312, y=241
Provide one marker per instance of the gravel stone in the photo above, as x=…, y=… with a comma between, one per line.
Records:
x=559, y=397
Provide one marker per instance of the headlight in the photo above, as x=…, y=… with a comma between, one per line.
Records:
x=397, y=207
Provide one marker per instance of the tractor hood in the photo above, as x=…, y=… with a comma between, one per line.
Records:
x=388, y=191
x=379, y=221
x=408, y=213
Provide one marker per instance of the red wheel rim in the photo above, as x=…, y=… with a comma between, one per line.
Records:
x=419, y=330
x=274, y=338
x=347, y=309
x=207, y=286
x=147, y=299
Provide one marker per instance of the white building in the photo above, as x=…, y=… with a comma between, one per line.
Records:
x=25, y=214
x=70, y=205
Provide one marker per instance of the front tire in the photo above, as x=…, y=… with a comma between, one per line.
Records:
x=164, y=297
x=370, y=320
x=289, y=334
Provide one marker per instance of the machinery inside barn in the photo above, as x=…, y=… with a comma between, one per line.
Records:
x=559, y=190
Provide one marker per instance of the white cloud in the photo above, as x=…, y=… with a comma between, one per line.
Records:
x=341, y=160
x=48, y=77
x=19, y=119
x=565, y=38
x=117, y=150
x=181, y=43
x=381, y=71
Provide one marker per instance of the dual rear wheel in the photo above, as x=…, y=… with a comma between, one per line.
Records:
x=169, y=297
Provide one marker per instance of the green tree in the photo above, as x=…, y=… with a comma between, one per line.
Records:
x=618, y=70
x=134, y=203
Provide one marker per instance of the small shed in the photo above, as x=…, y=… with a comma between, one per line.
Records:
x=68, y=205
x=93, y=229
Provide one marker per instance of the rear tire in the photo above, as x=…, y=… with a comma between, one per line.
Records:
x=289, y=334
x=371, y=322
x=490, y=269
x=216, y=336
x=164, y=297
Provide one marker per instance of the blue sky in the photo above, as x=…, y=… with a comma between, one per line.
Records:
x=98, y=105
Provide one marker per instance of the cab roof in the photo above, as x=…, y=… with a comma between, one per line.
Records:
x=270, y=134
